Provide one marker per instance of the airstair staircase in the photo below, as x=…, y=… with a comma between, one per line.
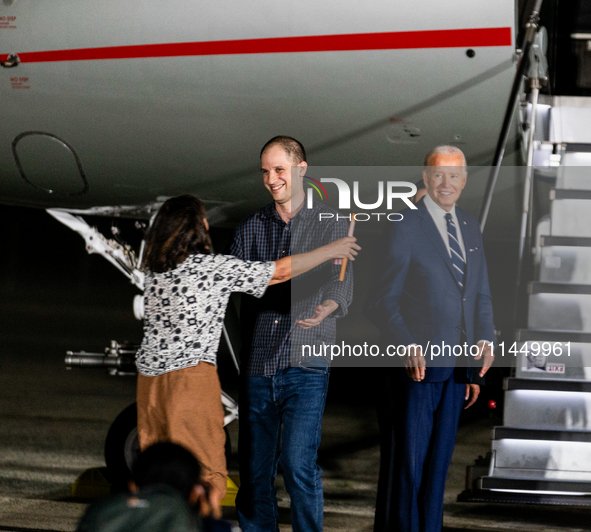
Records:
x=542, y=454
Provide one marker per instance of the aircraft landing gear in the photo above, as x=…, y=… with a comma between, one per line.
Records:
x=122, y=445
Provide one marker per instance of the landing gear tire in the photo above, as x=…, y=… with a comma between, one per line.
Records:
x=122, y=446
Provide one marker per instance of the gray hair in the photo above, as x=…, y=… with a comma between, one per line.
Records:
x=444, y=150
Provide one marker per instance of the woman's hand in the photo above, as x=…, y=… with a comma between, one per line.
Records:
x=344, y=248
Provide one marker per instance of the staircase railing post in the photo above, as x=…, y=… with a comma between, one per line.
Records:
x=529, y=174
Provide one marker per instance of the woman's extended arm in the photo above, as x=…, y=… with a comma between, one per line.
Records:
x=289, y=267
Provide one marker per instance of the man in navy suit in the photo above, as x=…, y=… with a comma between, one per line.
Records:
x=432, y=290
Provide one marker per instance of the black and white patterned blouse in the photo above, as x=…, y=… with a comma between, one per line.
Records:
x=185, y=308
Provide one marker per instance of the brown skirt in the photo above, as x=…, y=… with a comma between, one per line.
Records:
x=184, y=406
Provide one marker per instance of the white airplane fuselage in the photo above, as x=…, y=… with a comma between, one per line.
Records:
x=121, y=103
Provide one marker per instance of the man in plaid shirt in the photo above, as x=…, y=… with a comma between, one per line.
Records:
x=282, y=395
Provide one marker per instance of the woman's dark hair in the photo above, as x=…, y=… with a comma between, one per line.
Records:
x=177, y=232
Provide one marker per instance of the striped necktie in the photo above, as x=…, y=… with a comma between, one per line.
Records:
x=457, y=259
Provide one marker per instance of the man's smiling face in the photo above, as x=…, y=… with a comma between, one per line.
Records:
x=277, y=174
x=445, y=178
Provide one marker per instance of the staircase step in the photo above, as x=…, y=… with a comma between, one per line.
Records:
x=548, y=385
x=564, y=488
x=541, y=474
x=578, y=147
x=574, y=173
x=569, y=119
x=518, y=497
x=541, y=409
x=547, y=360
x=552, y=335
x=569, y=194
x=562, y=311
x=515, y=433
x=563, y=264
x=535, y=485
x=570, y=217
x=537, y=287
x=573, y=241
x=542, y=455
x=572, y=159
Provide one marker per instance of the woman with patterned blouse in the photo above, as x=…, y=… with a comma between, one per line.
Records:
x=187, y=290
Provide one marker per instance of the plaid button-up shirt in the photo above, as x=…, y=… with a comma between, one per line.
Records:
x=270, y=336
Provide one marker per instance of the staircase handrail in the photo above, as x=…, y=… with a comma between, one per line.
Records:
x=530, y=32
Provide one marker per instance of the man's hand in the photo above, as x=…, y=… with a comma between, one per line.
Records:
x=485, y=352
x=322, y=311
x=415, y=363
x=472, y=393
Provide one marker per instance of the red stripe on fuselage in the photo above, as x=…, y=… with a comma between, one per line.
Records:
x=319, y=43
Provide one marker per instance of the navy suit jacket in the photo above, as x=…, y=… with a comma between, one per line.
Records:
x=416, y=298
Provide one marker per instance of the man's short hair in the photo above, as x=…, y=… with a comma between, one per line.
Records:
x=294, y=148
x=444, y=150
x=167, y=464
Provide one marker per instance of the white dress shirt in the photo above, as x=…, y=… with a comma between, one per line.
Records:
x=438, y=215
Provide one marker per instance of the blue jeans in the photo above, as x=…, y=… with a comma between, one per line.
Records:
x=280, y=422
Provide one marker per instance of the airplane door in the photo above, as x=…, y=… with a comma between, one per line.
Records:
x=49, y=164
